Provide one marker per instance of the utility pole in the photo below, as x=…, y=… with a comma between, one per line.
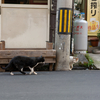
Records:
x=63, y=34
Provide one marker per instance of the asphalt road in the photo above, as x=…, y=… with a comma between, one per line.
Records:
x=60, y=85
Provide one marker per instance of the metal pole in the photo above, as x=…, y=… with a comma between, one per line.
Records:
x=71, y=51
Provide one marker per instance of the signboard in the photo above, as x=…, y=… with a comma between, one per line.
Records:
x=64, y=21
x=93, y=17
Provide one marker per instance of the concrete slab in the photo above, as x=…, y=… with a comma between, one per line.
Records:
x=82, y=58
x=96, y=59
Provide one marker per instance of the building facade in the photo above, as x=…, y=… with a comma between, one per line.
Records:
x=24, y=23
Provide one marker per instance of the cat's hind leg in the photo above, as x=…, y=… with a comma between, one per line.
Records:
x=22, y=72
x=11, y=73
x=20, y=69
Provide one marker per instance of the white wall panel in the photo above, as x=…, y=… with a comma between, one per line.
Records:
x=24, y=28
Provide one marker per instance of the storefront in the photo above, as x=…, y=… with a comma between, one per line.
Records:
x=93, y=17
x=24, y=23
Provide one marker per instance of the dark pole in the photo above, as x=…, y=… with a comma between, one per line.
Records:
x=71, y=52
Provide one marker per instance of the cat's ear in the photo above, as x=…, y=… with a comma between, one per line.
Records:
x=41, y=56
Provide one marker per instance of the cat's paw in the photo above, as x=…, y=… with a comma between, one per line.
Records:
x=35, y=73
x=11, y=73
x=70, y=68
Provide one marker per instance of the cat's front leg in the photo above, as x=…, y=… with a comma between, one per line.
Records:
x=32, y=71
x=71, y=66
x=35, y=73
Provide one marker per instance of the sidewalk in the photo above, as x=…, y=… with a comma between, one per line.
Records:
x=96, y=59
x=82, y=59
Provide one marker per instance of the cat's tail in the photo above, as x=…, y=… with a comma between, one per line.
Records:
x=4, y=67
x=7, y=67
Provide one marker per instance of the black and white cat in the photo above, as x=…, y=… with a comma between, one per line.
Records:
x=21, y=62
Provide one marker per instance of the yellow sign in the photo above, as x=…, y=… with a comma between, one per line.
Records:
x=64, y=21
x=93, y=17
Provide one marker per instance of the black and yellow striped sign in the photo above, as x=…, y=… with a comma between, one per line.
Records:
x=64, y=21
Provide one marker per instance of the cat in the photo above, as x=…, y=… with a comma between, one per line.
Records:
x=21, y=62
x=72, y=61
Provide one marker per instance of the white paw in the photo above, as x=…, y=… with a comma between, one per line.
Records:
x=35, y=73
x=11, y=73
x=70, y=69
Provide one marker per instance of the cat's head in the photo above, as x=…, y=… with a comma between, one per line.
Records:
x=41, y=59
x=75, y=59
